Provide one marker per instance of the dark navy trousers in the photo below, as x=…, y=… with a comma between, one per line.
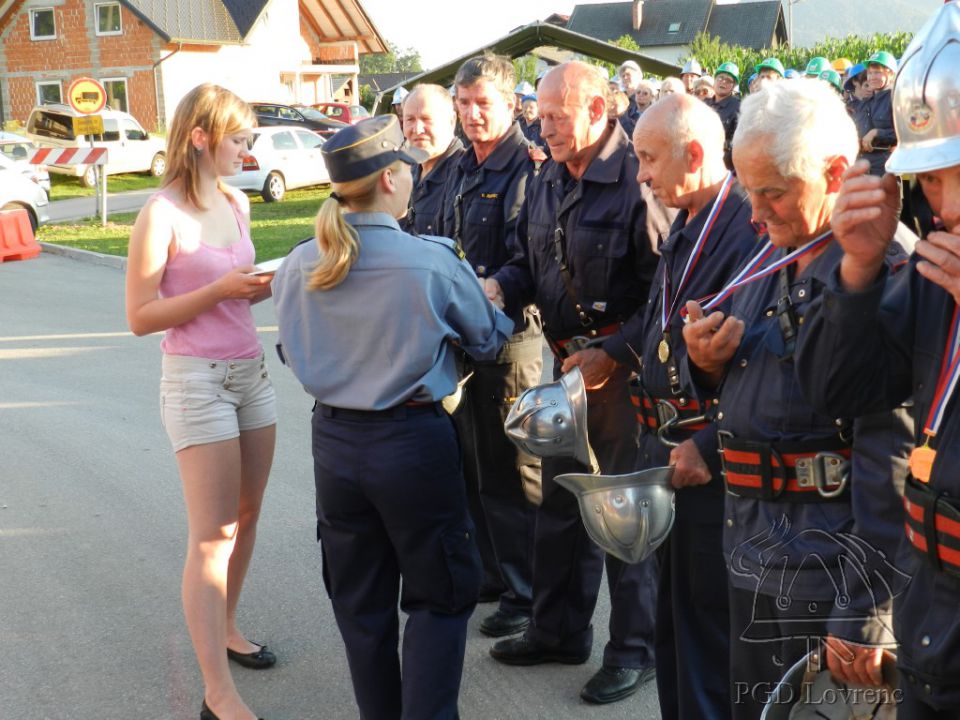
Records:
x=392, y=521
x=568, y=565
x=496, y=471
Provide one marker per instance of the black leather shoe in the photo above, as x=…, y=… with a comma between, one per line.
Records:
x=524, y=651
x=615, y=683
x=259, y=660
x=503, y=622
x=207, y=714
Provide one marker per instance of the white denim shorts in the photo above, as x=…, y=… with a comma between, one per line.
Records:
x=205, y=401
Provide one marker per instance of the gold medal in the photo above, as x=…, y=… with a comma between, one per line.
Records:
x=921, y=462
x=663, y=351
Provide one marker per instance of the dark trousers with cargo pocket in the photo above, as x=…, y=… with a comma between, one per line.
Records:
x=391, y=509
x=496, y=471
x=568, y=566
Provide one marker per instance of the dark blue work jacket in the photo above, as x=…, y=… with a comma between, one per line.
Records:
x=877, y=113
x=887, y=344
x=731, y=241
x=426, y=200
x=800, y=549
x=484, y=217
x=532, y=131
x=608, y=233
x=729, y=111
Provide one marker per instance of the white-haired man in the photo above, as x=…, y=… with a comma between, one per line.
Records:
x=429, y=123
x=811, y=505
x=679, y=144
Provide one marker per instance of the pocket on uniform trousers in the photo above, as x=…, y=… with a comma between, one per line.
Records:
x=464, y=570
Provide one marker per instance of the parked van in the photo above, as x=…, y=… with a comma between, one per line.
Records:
x=130, y=148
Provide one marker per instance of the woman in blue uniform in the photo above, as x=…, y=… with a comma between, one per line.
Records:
x=369, y=318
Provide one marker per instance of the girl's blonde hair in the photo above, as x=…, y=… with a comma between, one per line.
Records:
x=216, y=111
x=338, y=241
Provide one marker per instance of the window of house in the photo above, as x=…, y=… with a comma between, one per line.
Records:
x=42, y=24
x=116, y=93
x=674, y=27
x=108, y=19
x=49, y=92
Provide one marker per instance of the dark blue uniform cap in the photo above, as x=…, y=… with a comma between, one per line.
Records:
x=371, y=145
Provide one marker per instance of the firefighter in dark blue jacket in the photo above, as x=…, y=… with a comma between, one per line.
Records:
x=429, y=122
x=874, y=117
x=727, y=103
x=482, y=198
x=585, y=254
x=811, y=506
x=679, y=144
x=890, y=338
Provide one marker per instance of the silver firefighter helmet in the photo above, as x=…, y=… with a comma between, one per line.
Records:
x=809, y=692
x=629, y=516
x=550, y=420
x=926, y=109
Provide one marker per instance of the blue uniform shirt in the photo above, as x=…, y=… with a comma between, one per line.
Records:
x=610, y=230
x=876, y=112
x=761, y=400
x=484, y=219
x=386, y=334
x=731, y=241
x=426, y=200
x=885, y=345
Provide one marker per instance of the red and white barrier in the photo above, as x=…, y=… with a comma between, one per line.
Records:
x=68, y=156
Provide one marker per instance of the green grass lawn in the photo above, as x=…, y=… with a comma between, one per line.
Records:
x=66, y=187
x=276, y=227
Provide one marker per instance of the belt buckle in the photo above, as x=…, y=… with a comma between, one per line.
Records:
x=831, y=473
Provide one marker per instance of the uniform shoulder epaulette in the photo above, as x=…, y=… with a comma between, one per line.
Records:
x=451, y=245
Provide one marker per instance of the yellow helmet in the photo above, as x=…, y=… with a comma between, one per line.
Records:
x=841, y=65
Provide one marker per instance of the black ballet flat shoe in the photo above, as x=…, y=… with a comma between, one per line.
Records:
x=259, y=660
x=207, y=714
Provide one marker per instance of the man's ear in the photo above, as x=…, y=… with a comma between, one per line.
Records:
x=836, y=167
x=694, y=156
x=598, y=108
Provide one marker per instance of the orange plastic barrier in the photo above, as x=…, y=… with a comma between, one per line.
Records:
x=16, y=236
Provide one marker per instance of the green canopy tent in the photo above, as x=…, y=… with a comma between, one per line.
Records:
x=520, y=42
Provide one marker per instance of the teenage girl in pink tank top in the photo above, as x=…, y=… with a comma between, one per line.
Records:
x=188, y=275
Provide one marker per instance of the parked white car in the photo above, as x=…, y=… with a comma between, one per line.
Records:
x=130, y=148
x=14, y=151
x=17, y=190
x=281, y=158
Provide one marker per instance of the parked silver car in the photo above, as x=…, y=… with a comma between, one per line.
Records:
x=14, y=151
x=17, y=190
x=281, y=158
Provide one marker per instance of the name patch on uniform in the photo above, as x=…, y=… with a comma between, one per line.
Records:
x=489, y=196
x=600, y=306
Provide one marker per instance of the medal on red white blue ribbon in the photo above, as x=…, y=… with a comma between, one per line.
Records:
x=922, y=458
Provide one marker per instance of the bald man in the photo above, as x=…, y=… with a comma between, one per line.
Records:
x=585, y=199
x=679, y=143
x=429, y=123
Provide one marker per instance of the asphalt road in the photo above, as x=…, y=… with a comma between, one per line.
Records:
x=92, y=530
x=78, y=208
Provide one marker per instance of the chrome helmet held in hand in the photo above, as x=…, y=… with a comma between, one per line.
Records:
x=550, y=420
x=629, y=516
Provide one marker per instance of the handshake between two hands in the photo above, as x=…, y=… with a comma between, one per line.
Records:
x=493, y=291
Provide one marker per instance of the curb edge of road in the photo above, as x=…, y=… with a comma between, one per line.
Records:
x=87, y=256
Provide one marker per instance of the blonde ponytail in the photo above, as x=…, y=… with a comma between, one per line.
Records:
x=338, y=241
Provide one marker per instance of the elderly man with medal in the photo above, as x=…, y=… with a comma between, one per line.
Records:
x=890, y=337
x=803, y=488
x=679, y=143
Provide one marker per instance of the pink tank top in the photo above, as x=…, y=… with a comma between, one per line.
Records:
x=226, y=331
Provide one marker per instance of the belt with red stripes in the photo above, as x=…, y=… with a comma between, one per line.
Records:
x=807, y=471
x=653, y=413
x=933, y=525
x=567, y=346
